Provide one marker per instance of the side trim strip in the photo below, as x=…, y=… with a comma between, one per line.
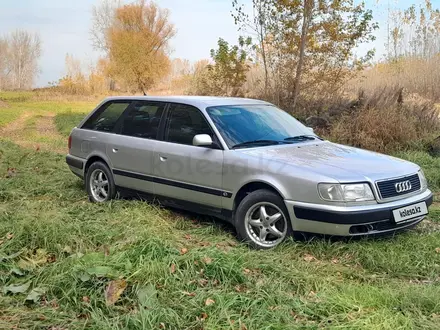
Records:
x=79, y=164
x=206, y=190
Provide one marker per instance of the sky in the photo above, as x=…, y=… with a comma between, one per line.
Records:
x=64, y=27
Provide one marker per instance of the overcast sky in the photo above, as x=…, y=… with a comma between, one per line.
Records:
x=64, y=27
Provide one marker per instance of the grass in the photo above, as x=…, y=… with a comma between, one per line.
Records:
x=65, y=121
x=184, y=271
x=21, y=102
x=8, y=115
x=15, y=96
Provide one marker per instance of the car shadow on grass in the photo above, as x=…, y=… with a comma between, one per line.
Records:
x=194, y=219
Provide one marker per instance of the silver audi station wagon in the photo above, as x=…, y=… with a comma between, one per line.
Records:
x=247, y=162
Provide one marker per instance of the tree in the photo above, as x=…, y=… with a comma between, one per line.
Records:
x=257, y=26
x=316, y=39
x=307, y=44
x=415, y=31
x=307, y=17
x=75, y=81
x=231, y=64
x=103, y=18
x=226, y=73
x=395, y=36
x=98, y=76
x=5, y=69
x=138, y=42
x=180, y=67
x=199, y=83
x=23, y=49
x=180, y=76
x=83, y=79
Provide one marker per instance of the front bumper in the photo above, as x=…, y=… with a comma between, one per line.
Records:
x=352, y=220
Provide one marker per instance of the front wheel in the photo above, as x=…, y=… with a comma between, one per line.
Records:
x=262, y=220
x=100, y=184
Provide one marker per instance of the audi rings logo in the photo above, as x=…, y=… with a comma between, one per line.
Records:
x=403, y=186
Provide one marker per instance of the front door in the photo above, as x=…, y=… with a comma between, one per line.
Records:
x=183, y=171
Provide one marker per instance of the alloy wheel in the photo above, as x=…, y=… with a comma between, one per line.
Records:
x=99, y=185
x=266, y=224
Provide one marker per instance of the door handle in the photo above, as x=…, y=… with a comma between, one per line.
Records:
x=163, y=159
x=115, y=150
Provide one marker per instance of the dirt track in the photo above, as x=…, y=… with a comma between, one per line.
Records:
x=37, y=134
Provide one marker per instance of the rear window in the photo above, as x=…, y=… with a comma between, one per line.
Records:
x=143, y=119
x=106, y=117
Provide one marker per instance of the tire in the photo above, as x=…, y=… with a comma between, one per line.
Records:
x=96, y=176
x=262, y=230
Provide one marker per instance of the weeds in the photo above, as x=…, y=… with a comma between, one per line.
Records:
x=382, y=121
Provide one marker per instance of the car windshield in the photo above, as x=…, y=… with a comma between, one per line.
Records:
x=240, y=125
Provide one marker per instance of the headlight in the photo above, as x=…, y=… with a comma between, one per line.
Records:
x=357, y=192
x=423, y=181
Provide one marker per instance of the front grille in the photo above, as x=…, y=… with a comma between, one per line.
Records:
x=387, y=189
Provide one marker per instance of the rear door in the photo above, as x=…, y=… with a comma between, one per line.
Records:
x=91, y=139
x=183, y=171
x=131, y=150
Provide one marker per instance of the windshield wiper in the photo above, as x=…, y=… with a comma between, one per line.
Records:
x=256, y=142
x=302, y=138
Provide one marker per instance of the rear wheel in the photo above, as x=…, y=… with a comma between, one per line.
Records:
x=262, y=220
x=100, y=184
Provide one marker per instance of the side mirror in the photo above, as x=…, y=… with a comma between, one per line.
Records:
x=202, y=140
x=311, y=129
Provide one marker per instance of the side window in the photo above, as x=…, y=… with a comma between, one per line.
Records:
x=105, y=118
x=184, y=123
x=143, y=119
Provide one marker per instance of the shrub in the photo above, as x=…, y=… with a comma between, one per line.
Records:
x=376, y=129
x=385, y=122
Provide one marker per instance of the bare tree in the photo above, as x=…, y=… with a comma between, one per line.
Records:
x=5, y=69
x=180, y=67
x=74, y=68
x=24, y=51
x=103, y=17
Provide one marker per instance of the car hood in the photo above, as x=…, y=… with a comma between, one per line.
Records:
x=343, y=163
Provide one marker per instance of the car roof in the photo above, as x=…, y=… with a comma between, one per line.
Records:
x=197, y=101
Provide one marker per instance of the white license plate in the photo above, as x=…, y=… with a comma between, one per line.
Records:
x=410, y=212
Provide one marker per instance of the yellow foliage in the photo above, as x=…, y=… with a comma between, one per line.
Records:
x=75, y=82
x=138, y=45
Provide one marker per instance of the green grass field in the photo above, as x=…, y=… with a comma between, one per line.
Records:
x=68, y=264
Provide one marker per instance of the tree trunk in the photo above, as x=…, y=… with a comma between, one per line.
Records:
x=263, y=55
x=261, y=31
x=307, y=15
x=266, y=74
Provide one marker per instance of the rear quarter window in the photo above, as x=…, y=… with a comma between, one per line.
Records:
x=106, y=117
